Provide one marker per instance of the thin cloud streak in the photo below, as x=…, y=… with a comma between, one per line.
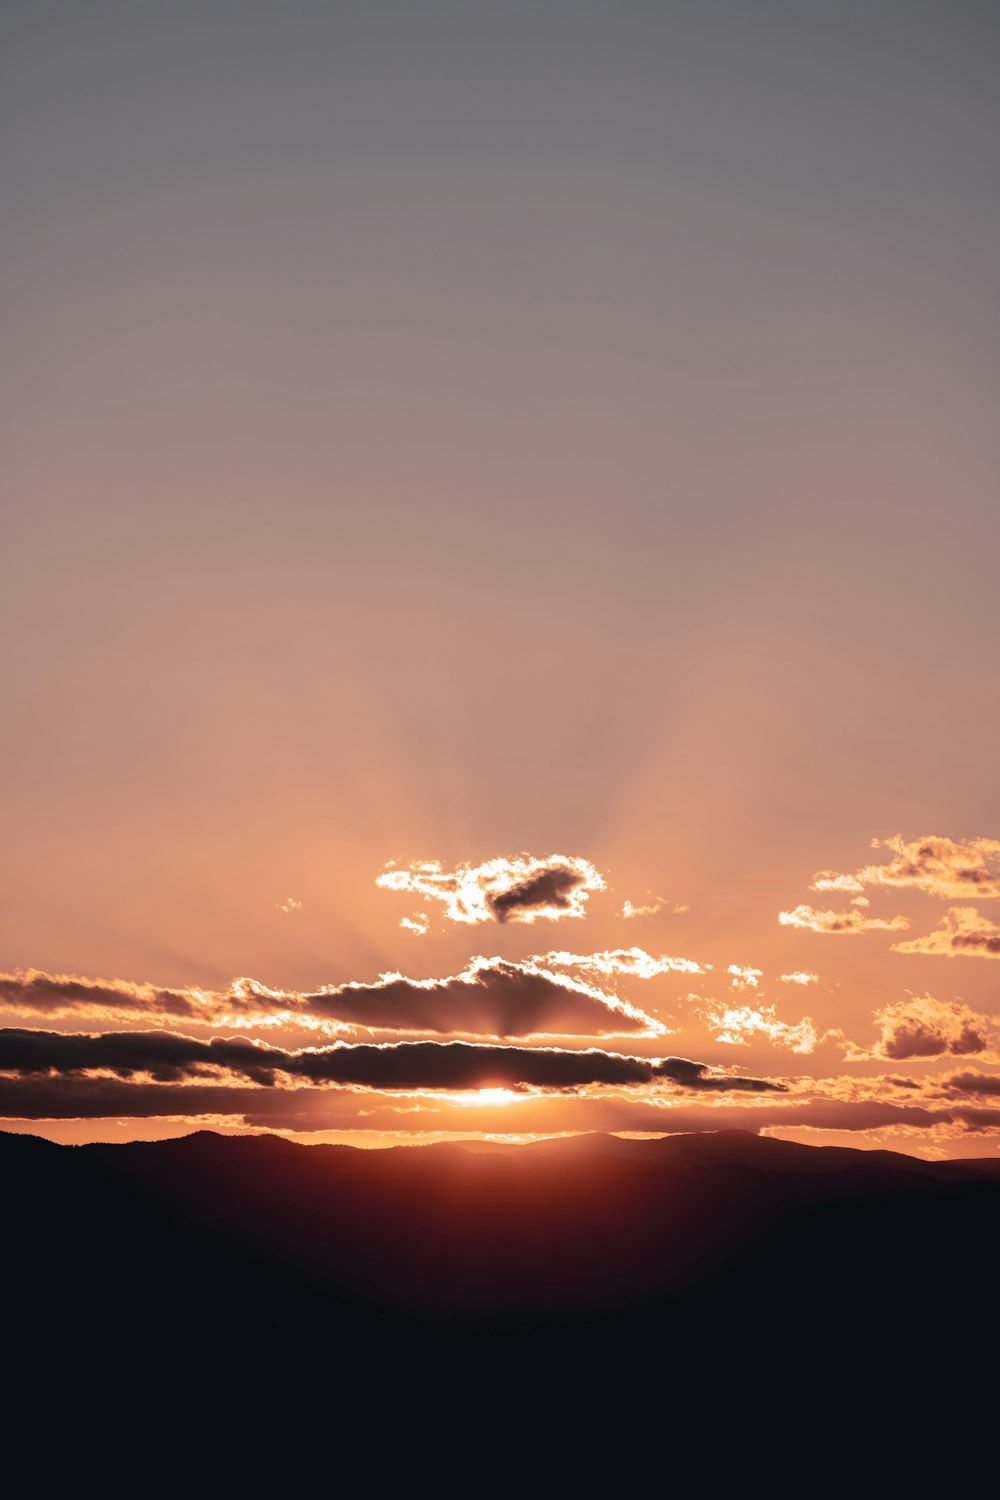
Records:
x=305, y=1109
x=839, y=921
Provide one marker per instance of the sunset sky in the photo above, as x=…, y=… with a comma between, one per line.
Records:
x=498, y=569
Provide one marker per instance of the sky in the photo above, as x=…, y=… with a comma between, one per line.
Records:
x=502, y=497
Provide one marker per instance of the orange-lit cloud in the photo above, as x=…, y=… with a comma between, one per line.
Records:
x=938, y=866
x=635, y=962
x=985, y=1084
x=736, y=1025
x=963, y=933
x=502, y=890
x=798, y=976
x=418, y=924
x=491, y=996
x=32, y=992
x=744, y=979
x=289, y=906
x=630, y=910
x=838, y=921
x=168, y=1057
x=923, y=1026
x=316, y=1108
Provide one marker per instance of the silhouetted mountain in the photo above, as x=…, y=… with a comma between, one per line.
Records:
x=569, y=1234
x=617, y=1287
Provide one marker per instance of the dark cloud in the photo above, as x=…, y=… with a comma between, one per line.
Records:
x=978, y=1119
x=53, y=994
x=163, y=1055
x=923, y=1026
x=524, y=888
x=987, y=1084
x=306, y=1109
x=491, y=997
x=550, y=889
x=978, y=942
x=167, y=1057
x=79, y=1098
x=963, y=932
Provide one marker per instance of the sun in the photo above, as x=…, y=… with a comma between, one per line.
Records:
x=486, y=1096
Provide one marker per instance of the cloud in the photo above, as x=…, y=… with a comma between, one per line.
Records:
x=417, y=923
x=635, y=962
x=289, y=906
x=735, y=1025
x=745, y=979
x=798, y=976
x=78, y=1098
x=629, y=912
x=170, y=1058
x=491, y=997
x=922, y=1026
x=963, y=934
x=502, y=890
x=58, y=994
x=987, y=1084
x=73, y=1097
x=838, y=921
x=938, y=866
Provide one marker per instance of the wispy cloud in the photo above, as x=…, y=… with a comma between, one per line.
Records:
x=744, y=979
x=798, y=976
x=30, y=991
x=737, y=1025
x=635, y=962
x=418, y=924
x=838, y=921
x=631, y=910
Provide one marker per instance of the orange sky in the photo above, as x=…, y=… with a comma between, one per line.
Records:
x=566, y=446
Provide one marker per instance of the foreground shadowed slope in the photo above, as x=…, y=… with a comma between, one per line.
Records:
x=714, y=1242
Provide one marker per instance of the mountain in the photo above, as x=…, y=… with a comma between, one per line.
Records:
x=613, y=1290
x=576, y=1233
